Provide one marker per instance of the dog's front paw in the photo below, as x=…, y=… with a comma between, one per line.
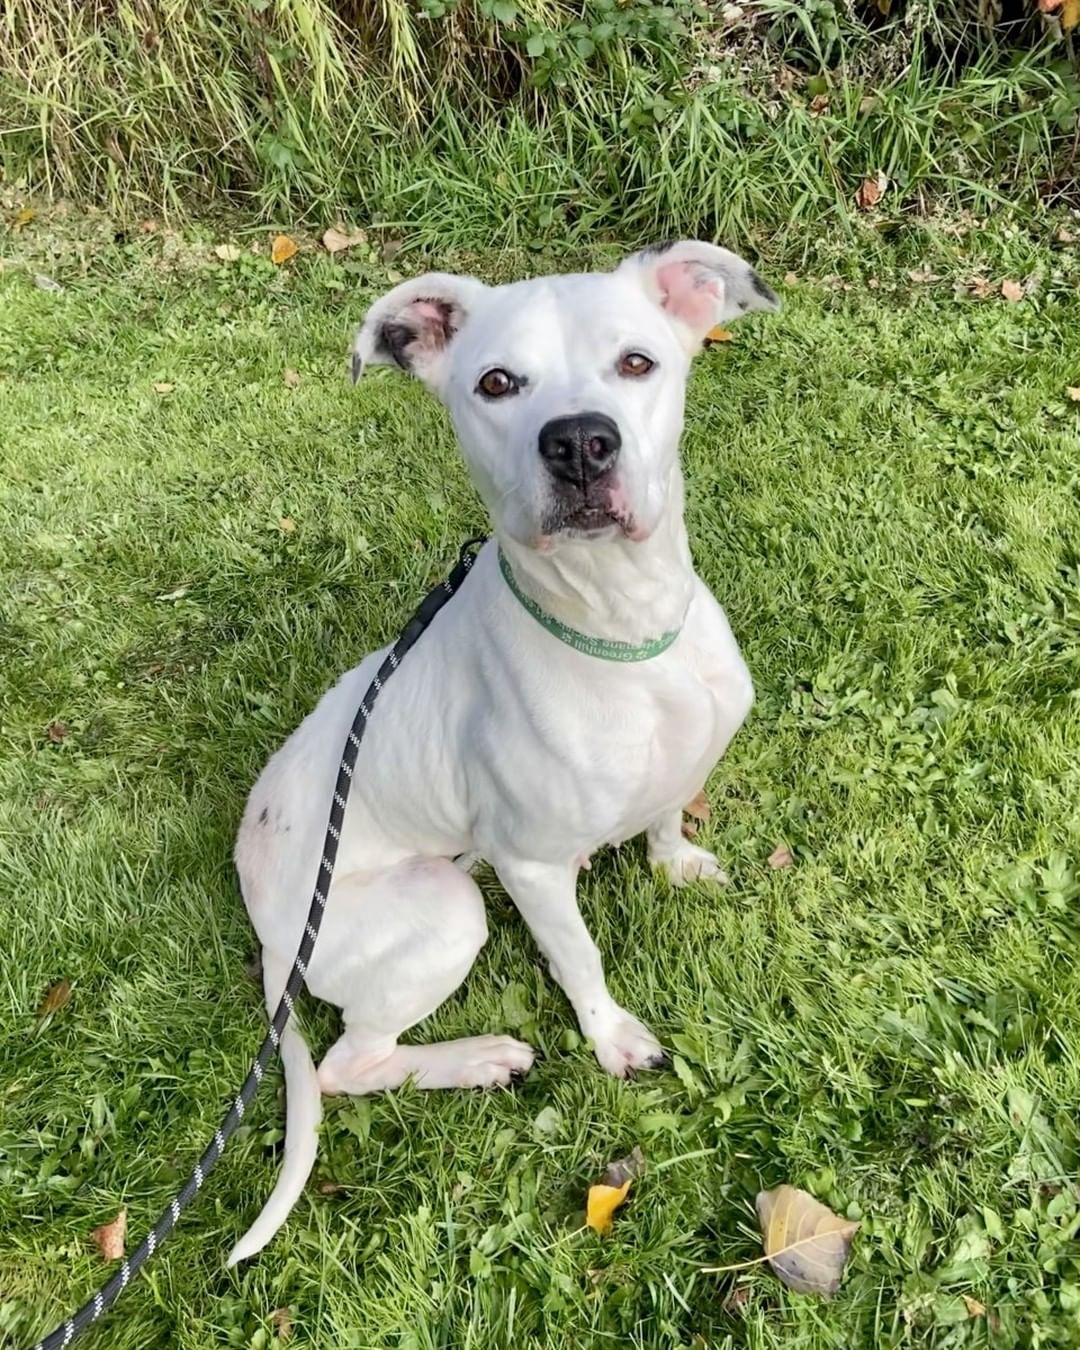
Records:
x=690, y=863
x=624, y=1044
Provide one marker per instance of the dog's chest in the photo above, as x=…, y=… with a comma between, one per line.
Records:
x=601, y=751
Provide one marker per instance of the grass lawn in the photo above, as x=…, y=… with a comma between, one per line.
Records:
x=884, y=492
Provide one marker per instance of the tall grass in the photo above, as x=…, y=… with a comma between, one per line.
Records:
x=449, y=124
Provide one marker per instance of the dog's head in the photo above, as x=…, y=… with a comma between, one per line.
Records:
x=566, y=392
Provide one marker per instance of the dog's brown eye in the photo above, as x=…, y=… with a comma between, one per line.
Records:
x=497, y=383
x=635, y=364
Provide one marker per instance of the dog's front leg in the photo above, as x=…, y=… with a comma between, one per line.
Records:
x=545, y=895
x=673, y=853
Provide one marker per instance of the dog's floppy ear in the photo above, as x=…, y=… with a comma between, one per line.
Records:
x=698, y=285
x=413, y=325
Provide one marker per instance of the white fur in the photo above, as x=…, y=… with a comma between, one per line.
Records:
x=494, y=739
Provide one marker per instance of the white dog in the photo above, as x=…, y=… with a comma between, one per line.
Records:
x=576, y=692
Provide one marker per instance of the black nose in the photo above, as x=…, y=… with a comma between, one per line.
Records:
x=580, y=449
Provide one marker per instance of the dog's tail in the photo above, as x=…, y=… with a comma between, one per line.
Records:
x=303, y=1106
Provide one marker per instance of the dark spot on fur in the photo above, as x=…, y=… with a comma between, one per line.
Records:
x=661, y=247
x=744, y=305
x=764, y=291
x=393, y=341
x=264, y=816
x=396, y=337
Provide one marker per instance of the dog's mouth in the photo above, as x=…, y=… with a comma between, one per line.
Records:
x=600, y=511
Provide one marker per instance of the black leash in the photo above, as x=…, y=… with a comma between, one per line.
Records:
x=107, y=1295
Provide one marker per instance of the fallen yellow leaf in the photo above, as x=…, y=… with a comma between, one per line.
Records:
x=228, y=252
x=1072, y=391
x=163, y=387
x=1070, y=15
x=286, y=524
x=23, y=217
x=973, y=1306
x=602, y=1203
x=805, y=1242
x=283, y=248
x=611, y=1190
x=781, y=857
x=718, y=335
x=110, y=1237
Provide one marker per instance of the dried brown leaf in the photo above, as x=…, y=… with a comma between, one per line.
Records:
x=23, y=217
x=974, y=1307
x=109, y=1238
x=163, y=387
x=56, y=996
x=781, y=857
x=805, y=1242
x=286, y=524
x=291, y=377
x=1012, y=291
x=283, y=248
x=228, y=252
x=791, y=278
x=737, y=1299
x=281, y=1321
x=337, y=238
x=625, y=1169
x=1072, y=392
x=57, y=732
x=870, y=191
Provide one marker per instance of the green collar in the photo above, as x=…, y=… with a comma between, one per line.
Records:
x=605, y=648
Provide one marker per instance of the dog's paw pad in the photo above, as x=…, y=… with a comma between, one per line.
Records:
x=691, y=863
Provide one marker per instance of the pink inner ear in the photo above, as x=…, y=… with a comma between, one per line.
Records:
x=689, y=293
x=435, y=325
x=433, y=312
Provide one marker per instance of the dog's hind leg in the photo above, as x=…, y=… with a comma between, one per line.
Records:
x=414, y=932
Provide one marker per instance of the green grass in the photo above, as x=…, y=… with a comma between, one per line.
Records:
x=484, y=124
x=883, y=489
